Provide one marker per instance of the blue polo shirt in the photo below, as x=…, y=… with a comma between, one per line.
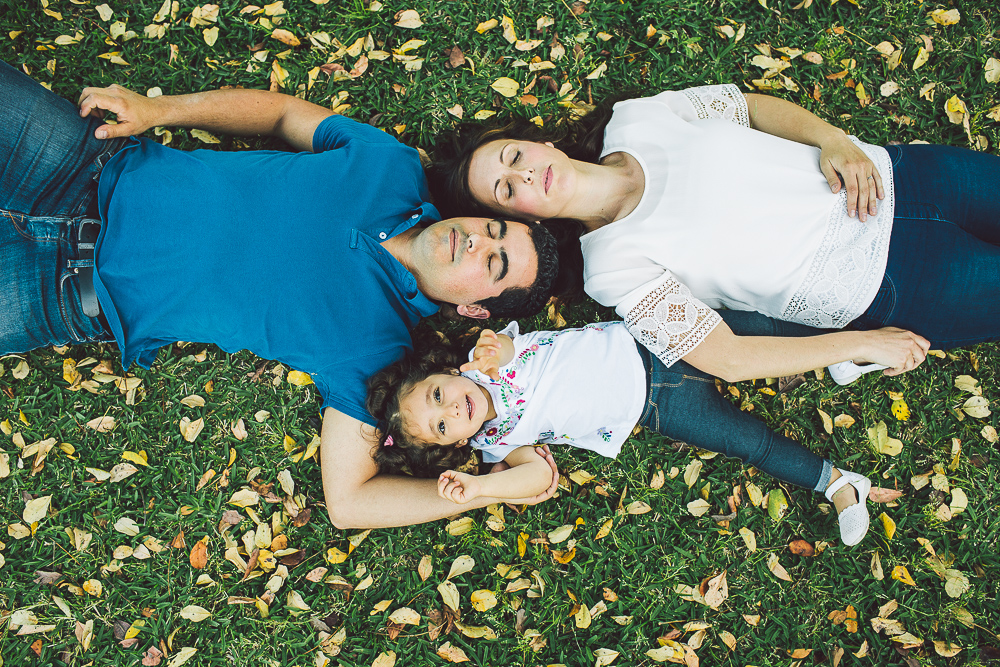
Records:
x=274, y=252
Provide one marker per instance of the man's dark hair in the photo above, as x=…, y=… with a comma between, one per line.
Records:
x=526, y=301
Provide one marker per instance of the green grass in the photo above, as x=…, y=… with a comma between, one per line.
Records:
x=645, y=556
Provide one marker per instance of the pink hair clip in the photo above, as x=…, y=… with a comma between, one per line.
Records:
x=388, y=441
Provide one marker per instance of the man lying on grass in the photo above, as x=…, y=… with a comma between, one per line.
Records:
x=111, y=237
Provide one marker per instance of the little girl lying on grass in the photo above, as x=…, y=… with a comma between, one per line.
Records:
x=585, y=387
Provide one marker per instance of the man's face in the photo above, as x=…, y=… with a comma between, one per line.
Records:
x=463, y=261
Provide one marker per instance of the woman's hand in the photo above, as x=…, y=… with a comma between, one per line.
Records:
x=842, y=161
x=459, y=487
x=486, y=356
x=135, y=113
x=898, y=349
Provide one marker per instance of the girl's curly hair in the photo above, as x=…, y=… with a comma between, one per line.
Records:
x=431, y=355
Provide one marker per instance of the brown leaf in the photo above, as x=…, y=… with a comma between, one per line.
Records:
x=717, y=590
x=120, y=628
x=790, y=382
x=802, y=548
x=302, y=518
x=455, y=56
x=882, y=495
x=178, y=541
x=46, y=578
x=199, y=554
x=252, y=563
x=152, y=657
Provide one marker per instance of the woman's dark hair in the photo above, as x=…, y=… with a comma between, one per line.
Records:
x=431, y=355
x=448, y=175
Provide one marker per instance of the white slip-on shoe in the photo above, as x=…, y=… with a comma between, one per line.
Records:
x=855, y=519
x=847, y=372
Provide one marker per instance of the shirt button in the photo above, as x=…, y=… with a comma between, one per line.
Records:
x=382, y=235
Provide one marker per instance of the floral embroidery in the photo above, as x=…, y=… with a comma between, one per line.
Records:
x=605, y=434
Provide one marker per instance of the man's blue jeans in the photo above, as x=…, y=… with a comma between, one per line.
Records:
x=682, y=403
x=942, y=279
x=49, y=163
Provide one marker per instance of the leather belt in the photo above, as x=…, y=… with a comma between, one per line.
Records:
x=87, y=232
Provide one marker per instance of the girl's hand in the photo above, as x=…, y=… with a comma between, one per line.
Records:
x=459, y=487
x=486, y=356
x=842, y=160
x=135, y=113
x=542, y=451
x=898, y=349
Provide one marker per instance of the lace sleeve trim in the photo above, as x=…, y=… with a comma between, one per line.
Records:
x=724, y=102
x=670, y=321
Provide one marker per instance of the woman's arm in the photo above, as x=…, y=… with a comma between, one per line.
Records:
x=734, y=358
x=529, y=474
x=840, y=159
x=358, y=497
x=234, y=111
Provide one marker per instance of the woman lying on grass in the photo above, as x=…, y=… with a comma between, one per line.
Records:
x=701, y=198
x=585, y=387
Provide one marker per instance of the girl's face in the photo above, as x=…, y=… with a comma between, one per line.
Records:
x=445, y=409
x=522, y=179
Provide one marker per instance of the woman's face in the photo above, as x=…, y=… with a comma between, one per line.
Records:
x=522, y=179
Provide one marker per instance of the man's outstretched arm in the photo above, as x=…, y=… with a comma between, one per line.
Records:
x=233, y=111
x=358, y=497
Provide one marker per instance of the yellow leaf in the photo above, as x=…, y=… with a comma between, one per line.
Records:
x=506, y=86
x=749, y=538
x=888, y=524
x=876, y=567
x=776, y=568
x=698, y=507
x=102, y=424
x=461, y=565
x=900, y=410
x=900, y=573
x=460, y=526
x=955, y=583
x=35, y=510
x=959, y=501
x=946, y=17
x=560, y=534
x=598, y=72
x=638, y=507
x=923, y=55
x=191, y=429
x=604, y=531
x=136, y=457
x=285, y=37
x=93, y=587
x=992, y=70
x=483, y=600
x=484, y=114
x=182, y=656
x=449, y=594
x=956, y=110
x=863, y=98
x=451, y=653
x=408, y=18
x=405, y=616
x=977, y=406
x=425, y=568
x=487, y=25
x=508, y=29
x=605, y=656
x=210, y=35
x=205, y=137
x=194, y=613
x=522, y=544
x=581, y=476
x=843, y=421
x=299, y=379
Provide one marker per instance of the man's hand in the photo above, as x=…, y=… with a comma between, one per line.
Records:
x=486, y=356
x=136, y=113
x=459, y=487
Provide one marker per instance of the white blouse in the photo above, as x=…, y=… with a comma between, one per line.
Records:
x=584, y=387
x=732, y=217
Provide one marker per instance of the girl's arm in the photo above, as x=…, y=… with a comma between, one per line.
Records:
x=529, y=474
x=493, y=351
x=840, y=159
x=735, y=358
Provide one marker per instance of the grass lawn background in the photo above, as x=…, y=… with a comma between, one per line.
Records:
x=279, y=614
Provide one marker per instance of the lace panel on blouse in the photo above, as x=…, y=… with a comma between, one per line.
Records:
x=845, y=269
x=724, y=102
x=670, y=321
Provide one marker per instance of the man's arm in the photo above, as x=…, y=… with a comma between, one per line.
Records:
x=358, y=497
x=234, y=111
x=840, y=159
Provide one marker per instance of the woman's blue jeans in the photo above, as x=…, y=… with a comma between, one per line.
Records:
x=942, y=279
x=682, y=403
x=49, y=164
